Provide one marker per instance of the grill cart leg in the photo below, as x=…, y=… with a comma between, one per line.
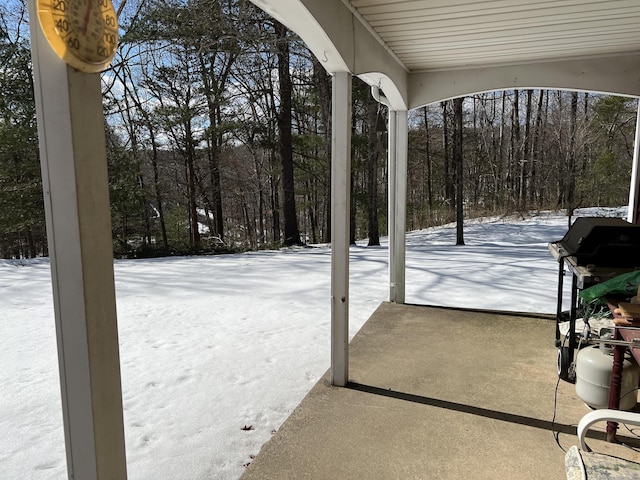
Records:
x=572, y=327
x=572, y=312
x=559, y=307
x=566, y=353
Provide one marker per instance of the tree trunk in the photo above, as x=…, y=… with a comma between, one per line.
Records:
x=352, y=209
x=562, y=173
x=372, y=170
x=262, y=238
x=501, y=180
x=291, y=232
x=535, y=149
x=352, y=183
x=194, y=236
x=542, y=155
x=274, y=184
x=428, y=160
x=526, y=155
x=30, y=243
x=515, y=147
x=211, y=92
x=322, y=82
x=571, y=167
x=585, y=154
x=457, y=161
x=448, y=178
x=311, y=212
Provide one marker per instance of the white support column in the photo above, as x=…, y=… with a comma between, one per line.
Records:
x=634, y=189
x=391, y=224
x=75, y=184
x=398, y=151
x=340, y=215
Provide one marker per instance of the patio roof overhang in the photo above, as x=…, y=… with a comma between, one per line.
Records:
x=423, y=51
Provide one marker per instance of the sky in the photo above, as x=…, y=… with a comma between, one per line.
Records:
x=213, y=345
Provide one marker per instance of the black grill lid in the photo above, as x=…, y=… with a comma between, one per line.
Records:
x=603, y=241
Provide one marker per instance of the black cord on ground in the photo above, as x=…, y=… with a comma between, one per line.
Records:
x=556, y=435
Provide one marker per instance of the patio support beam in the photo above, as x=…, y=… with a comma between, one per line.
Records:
x=340, y=216
x=612, y=74
x=75, y=185
x=633, y=216
x=398, y=148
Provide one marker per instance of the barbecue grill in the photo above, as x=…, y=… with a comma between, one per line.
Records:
x=602, y=242
x=594, y=249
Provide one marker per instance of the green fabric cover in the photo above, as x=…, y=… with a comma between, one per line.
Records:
x=623, y=285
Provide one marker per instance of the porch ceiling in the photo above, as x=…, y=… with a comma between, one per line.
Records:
x=430, y=35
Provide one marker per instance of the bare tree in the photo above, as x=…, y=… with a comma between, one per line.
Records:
x=458, y=163
x=291, y=231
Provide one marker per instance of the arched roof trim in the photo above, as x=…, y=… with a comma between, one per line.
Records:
x=612, y=75
x=337, y=36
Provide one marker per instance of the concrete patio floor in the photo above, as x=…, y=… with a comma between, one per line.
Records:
x=437, y=393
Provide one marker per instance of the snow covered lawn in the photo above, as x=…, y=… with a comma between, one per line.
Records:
x=217, y=351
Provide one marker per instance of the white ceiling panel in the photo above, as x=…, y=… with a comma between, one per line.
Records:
x=430, y=35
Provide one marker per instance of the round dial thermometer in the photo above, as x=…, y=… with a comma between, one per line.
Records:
x=84, y=33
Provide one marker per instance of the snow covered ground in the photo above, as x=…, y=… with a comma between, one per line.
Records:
x=210, y=345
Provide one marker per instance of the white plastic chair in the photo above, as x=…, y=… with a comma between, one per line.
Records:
x=583, y=464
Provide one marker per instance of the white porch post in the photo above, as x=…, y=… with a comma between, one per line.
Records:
x=398, y=148
x=74, y=177
x=634, y=189
x=340, y=208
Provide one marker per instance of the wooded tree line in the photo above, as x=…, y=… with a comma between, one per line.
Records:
x=522, y=150
x=218, y=124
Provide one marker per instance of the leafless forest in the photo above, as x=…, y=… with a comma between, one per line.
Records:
x=218, y=134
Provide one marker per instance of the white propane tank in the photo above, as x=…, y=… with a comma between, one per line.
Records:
x=593, y=377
